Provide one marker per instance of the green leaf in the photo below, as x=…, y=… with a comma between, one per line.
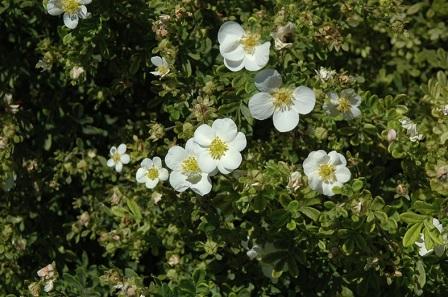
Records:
x=310, y=212
x=135, y=210
x=410, y=217
x=412, y=235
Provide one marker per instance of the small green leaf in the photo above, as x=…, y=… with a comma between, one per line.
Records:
x=411, y=236
x=135, y=210
x=410, y=217
x=310, y=212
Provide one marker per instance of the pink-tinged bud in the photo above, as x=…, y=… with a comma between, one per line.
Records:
x=391, y=135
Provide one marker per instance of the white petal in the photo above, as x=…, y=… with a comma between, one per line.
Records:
x=82, y=12
x=327, y=188
x=337, y=158
x=285, y=121
x=354, y=113
x=315, y=183
x=122, y=148
x=174, y=157
x=334, y=98
x=206, y=162
x=110, y=163
x=140, y=176
x=231, y=48
x=204, y=135
x=204, y=186
x=118, y=166
x=268, y=79
x=156, y=73
x=261, y=106
x=157, y=162
x=71, y=20
x=179, y=181
x=234, y=65
x=163, y=174
x=343, y=174
x=225, y=129
x=156, y=61
x=259, y=59
x=305, y=99
x=238, y=143
x=151, y=183
x=146, y=163
x=222, y=169
x=230, y=28
x=85, y=2
x=312, y=162
x=53, y=8
x=125, y=158
x=113, y=150
x=437, y=224
x=192, y=148
x=231, y=160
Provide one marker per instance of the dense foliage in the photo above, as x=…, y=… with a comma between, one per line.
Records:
x=69, y=95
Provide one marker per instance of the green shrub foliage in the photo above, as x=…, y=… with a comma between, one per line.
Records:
x=73, y=226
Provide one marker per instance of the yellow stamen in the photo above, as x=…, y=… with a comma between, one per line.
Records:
x=163, y=69
x=344, y=105
x=250, y=41
x=70, y=6
x=217, y=148
x=152, y=173
x=327, y=172
x=282, y=98
x=190, y=166
x=116, y=157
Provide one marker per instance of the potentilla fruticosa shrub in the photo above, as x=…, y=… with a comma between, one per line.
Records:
x=223, y=148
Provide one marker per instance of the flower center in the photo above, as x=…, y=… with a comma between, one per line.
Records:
x=116, y=157
x=282, y=98
x=217, y=148
x=250, y=41
x=327, y=172
x=190, y=166
x=70, y=6
x=152, y=173
x=344, y=105
x=163, y=69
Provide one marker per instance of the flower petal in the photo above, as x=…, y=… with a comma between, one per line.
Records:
x=82, y=12
x=261, y=106
x=53, y=8
x=225, y=129
x=234, y=65
x=354, y=113
x=71, y=20
x=327, y=188
x=110, y=163
x=157, y=162
x=343, y=174
x=315, y=183
x=125, y=159
x=118, y=166
x=231, y=48
x=231, y=160
x=304, y=100
x=146, y=163
x=206, y=162
x=230, y=28
x=192, y=148
x=85, y=2
x=259, y=59
x=312, y=162
x=238, y=143
x=156, y=61
x=334, y=98
x=268, y=79
x=286, y=120
x=122, y=148
x=151, y=183
x=204, y=186
x=337, y=158
x=112, y=150
x=163, y=174
x=140, y=176
x=204, y=135
x=175, y=156
x=179, y=181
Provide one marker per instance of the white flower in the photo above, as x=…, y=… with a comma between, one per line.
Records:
x=241, y=49
x=73, y=10
x=324, y=74
x=325, y=171
x=118, y=157
x=162, y=66
x=420, y=243
x=445, y=110
x=220, y=146
x=186, y=172
x=76, y=72
x=347, y=104
x=411, y=130
x=281, y=34
x=284, y=103
x=49, y=286
x=150, y=172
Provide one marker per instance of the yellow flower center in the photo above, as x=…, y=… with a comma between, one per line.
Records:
x=217, y=148
x=327, y=172
x=344, y=105
x=163, y=70
x=116, y=157
x=250, y=41
x=282, y=98
x=152, y=173
x=70, y=6
x=190, y=166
